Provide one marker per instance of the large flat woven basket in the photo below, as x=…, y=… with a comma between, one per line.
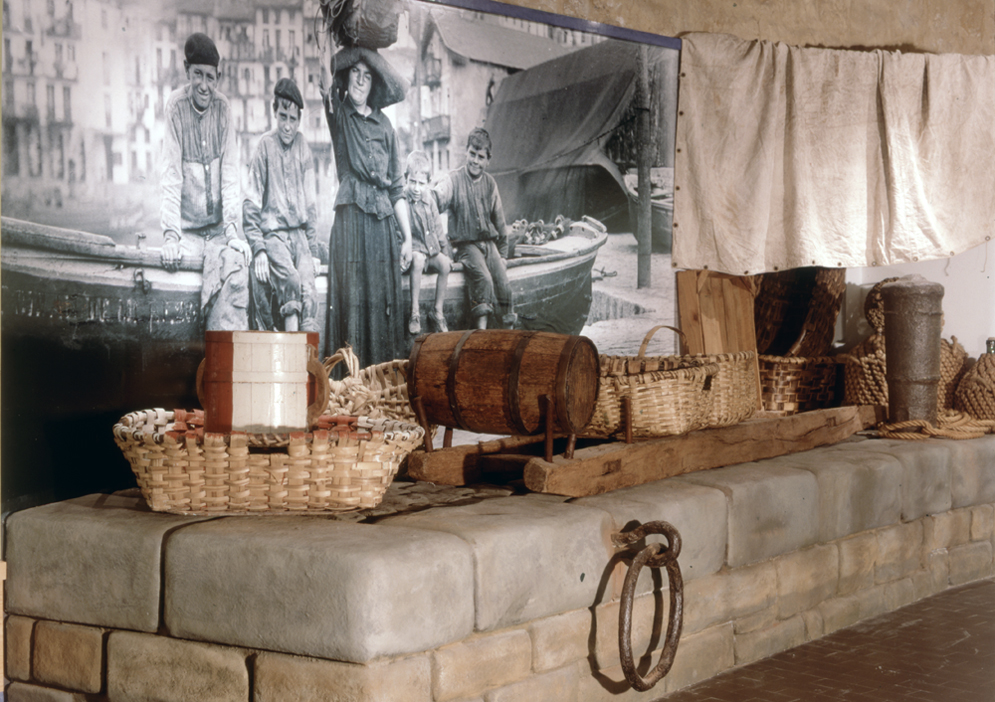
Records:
x=345, y=464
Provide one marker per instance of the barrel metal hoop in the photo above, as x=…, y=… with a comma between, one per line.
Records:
x=655, y=555
x=513, y=397
x=410, y=376
x=451, y=381
x=563, y=365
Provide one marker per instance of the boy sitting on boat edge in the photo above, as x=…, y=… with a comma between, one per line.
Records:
x=279, y=212
x=201, y=206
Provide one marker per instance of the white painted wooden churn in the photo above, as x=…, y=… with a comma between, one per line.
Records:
x=260, y=382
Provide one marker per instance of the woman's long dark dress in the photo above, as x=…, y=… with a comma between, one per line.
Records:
x=365, y=304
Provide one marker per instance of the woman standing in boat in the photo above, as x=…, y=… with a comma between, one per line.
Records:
x=371, y=235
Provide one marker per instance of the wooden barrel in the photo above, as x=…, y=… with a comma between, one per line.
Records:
x=259, y=382
x=490, y=381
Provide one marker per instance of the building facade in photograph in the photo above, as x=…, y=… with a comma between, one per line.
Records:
x=464, y=56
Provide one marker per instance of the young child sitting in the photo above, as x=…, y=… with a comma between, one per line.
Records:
x=278, y=217
x=430, y=250
x=477, y=229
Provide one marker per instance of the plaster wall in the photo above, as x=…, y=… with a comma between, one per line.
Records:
x=937, y=26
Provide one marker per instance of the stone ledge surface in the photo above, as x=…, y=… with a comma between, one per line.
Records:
x=91, y=560
x=350, y=592
x=532, y=558
x=322, y=587
x=773, y=509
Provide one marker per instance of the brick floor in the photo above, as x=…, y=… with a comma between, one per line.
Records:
x=941, y=649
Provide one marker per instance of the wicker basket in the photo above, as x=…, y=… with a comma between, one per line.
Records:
x=732, y=396
x=791, y=384
x=378, y=392
x=795, y=311
x=673, y=394
x=345, y=464
x=667, y=397
x=976, y=393
x=864, y=381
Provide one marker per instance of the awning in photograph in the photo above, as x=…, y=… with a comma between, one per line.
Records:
x=550, y=126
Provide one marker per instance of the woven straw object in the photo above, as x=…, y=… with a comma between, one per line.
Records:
x=874, y=306
x=795, y=311
x=975, y=394
x=865, y=367
x=864, y=381
x=344, y=465
x=666, y=398
x=791, y=384
x=673, y=394
x=379, y=391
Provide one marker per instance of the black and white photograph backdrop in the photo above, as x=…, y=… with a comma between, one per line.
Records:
x=98, y=317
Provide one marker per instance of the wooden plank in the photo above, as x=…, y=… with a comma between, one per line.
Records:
x=689, y=311
x=458, y=465
x=716, y=313
x=599, y=469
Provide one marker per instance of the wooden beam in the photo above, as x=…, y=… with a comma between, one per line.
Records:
x=598, y=469
x=458, y=465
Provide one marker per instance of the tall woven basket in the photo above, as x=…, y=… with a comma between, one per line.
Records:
x=345, y=464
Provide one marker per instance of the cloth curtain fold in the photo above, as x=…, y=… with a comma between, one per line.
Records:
x=789, y=157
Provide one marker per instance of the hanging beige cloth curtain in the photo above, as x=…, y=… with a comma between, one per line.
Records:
x=790, y=157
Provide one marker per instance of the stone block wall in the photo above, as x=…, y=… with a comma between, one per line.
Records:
x=511, y=598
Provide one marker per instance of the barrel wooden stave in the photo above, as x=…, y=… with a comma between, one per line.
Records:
x=495, y=384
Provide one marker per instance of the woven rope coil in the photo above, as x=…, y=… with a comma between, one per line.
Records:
x=975, y=394
x=950, y=425
x=344, y=465
x=791, y=384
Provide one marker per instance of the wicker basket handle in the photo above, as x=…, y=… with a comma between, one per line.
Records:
x=347, y=355
x=654, y=330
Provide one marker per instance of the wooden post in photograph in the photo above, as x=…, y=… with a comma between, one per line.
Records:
x=644, y=163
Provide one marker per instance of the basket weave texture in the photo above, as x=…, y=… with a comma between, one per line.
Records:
x=795, y=311
x=791, y=384
x=672, y=395
x=378, y=392
x=345, y=464
x=975, y=394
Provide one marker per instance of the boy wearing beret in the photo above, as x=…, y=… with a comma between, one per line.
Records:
x=201, y=206
x=279, y=215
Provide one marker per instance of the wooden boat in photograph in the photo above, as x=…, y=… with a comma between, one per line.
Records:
x=128, y=333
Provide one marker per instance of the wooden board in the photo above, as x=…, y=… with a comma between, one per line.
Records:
x=598, y=469
x=716, y=313
x=458, y=465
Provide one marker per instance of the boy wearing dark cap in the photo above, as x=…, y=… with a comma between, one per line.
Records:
x=279, y=215
x=201, y=206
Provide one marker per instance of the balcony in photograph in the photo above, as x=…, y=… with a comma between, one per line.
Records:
x=436, y=128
